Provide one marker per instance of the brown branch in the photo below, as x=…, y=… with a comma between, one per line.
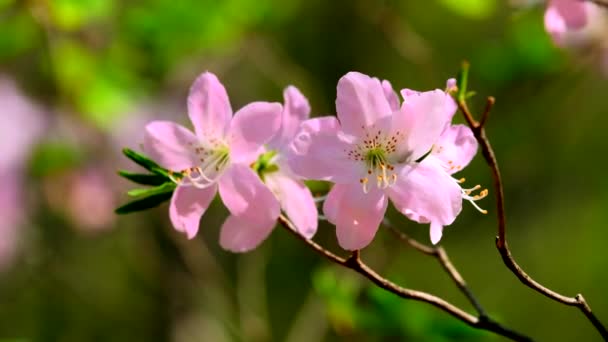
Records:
x=501, y=239
x=442, y=257
x=601, y=3
x=355, y=263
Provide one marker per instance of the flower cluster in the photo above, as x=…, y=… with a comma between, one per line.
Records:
x=375, y=149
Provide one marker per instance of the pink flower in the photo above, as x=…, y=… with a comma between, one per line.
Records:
x=240, y=234
x=370, y=152
x=575, y=22
x=453, y=151
x=216, y=156
x=564, y=15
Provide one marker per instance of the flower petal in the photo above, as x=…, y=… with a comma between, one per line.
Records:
x=319, y=152
x=391, y=95
x=296, y=200
x=456, y=147
x=188, y=204
x=422, y=118
x=360, y=102
x=426, y=193
x=240, y=234
x=208, y=107
x=295, y=110
x=170, y=145
x=331, y=205
x=244, y=194
x=358, y=215
x=573, y=12
x=436, y=232
x=252, y=127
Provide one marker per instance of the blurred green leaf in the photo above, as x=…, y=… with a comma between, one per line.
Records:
x=165, y=187
x=18, y=33
x=142, y=178
x=53, y=157
x=144, y=203
x=73, y=14
x=472, y=9
x=145, y=162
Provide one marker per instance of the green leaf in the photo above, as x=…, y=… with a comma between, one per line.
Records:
x=462, y=81
x=144, y=179
x=144, y=203
x=472, y=9
x=145, y=162
x=166, y=187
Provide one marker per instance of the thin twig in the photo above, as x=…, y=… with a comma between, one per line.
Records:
x=501, y=239
x=354, y=263
x=442, y=257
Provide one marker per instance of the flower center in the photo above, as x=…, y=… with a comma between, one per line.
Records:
x=213, y=162
x=265, y=164
x=378, y=167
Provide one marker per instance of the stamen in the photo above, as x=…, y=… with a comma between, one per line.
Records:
x=364, y=182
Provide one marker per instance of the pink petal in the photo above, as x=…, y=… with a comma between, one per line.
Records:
x=426, y=193
x=436, y=232
x=456, y=147
x=391, y=95
x=360, y=102
x=295, y=110
x=208, y=107
x=188, y=205
x=422, y=118
x=170, y=145
x=240, y=234
x=555, y=25
x=296, y=200
x=252, y=127
x=358, y=215
x=244, y=194
x=318, y=152
x=572, y=11
x=331, y=205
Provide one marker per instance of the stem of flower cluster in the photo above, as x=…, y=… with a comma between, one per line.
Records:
x=355, y=263
x=501, y=239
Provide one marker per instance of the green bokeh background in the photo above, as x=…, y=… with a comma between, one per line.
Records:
x=94, y=63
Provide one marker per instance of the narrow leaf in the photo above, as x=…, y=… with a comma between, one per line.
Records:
x=165, y=187
x=462, y=81
x=144, y=179
x=145, y=162
x=144, y=203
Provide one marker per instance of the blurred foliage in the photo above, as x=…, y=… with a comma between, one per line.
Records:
x=100, y=69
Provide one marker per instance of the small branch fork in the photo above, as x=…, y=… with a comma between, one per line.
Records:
x=355, y=263
x=501, y=240
x=442, y=257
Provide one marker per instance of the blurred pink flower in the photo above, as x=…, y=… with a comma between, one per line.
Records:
x=371, y=154
x=218, y=155
x=21, y=124
x=565, y=15
x=90, y=202
x=295, y=198
x=578, y=24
